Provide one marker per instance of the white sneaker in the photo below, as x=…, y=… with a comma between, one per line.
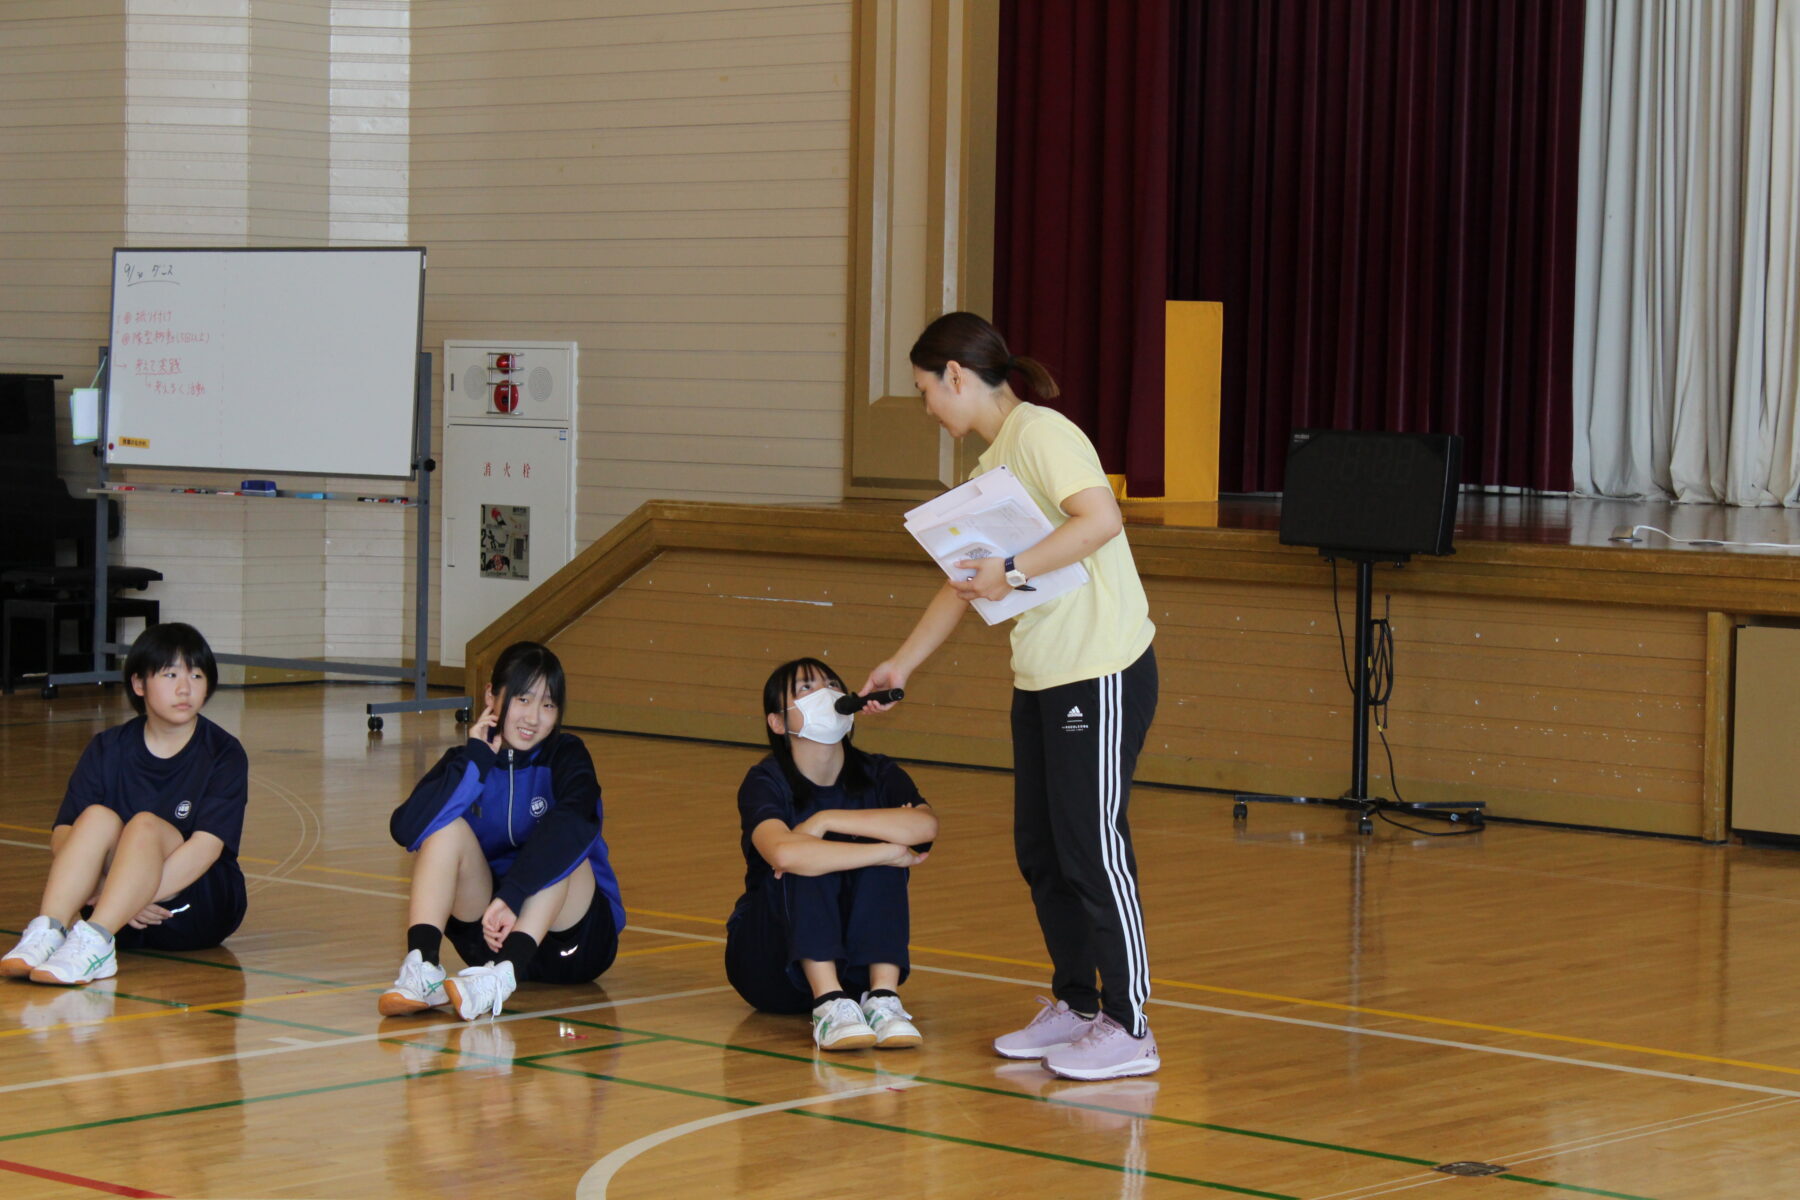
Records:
x=892, y=1024
x=84, y=956
x=38, y=943
x=420, y=986
x=839, y=1025
x=480, y=991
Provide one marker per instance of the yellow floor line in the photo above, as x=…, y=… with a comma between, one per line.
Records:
x=117, y=1018
x=1362, y=1010
x=1273, y=997
x=663, y=949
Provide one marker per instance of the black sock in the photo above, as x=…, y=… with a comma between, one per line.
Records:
x=428, y=940
x=874, y=992
x=517, y=949
x=840, y=994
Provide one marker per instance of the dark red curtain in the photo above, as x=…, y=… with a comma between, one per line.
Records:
x=1081, y=241
x=1383, y=194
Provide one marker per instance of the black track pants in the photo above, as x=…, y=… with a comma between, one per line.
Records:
x=1074, y=749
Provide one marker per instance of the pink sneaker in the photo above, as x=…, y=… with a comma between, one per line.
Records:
x=1055, y=1026
x=1105, y=1051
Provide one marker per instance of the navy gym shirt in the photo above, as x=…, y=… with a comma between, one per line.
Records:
x=765, y=793
x=201, y=789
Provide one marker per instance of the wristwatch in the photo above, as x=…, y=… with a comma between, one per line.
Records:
x=1014, y=577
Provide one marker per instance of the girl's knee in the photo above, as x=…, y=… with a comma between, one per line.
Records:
x=98, y=818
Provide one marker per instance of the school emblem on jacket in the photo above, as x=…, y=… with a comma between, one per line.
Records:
x=539, y=806
x=183, y=809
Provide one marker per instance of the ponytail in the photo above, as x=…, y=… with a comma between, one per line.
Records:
x=965, y=338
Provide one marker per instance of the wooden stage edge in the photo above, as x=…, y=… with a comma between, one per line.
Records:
x=1544, y=668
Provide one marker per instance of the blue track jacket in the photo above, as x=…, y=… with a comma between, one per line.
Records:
x=536, y=814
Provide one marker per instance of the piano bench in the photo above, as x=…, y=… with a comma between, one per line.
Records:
x=51, y=613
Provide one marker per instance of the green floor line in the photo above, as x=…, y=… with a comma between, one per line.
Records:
x=220, y=1104
x=1180, y=1122
x=202, y=962
x=264, y=1018
x=637, y=1041
x=1568, y=1187
x=1010, y=1094
x=645, y=1036
x=1165, y=1176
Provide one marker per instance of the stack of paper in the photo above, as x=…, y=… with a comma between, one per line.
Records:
x=991, y=516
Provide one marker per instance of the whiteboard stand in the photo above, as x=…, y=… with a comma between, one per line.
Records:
x=423, y=466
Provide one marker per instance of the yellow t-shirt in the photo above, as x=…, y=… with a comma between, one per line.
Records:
x=1104, y=625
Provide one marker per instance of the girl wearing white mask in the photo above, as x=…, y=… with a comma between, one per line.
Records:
x=828, y=835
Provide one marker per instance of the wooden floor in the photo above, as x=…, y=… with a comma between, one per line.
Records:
x=1598, y=1015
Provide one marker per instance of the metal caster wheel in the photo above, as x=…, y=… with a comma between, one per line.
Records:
x=1240, y=811
x=49, y=692
x=462, y=716
x=374, y=724
x=1364, y=825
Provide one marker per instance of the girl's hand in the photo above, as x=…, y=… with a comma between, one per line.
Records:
x=886, y=675
x=989, y=582
x=908, y=857
x=152, y=914
x=483, y=729
x=496, y=923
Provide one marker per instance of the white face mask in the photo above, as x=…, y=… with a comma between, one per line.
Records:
x=821, y=721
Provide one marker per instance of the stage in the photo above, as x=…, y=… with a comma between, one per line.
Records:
x=1543, y=668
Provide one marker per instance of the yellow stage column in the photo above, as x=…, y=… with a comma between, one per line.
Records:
x=1193, y=349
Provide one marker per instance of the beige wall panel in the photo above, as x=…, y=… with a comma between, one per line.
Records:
x=627, y=193
x=62, y=95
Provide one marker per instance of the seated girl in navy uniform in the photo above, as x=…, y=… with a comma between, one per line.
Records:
x=512, y=865
x=148, y=830
x=828, y=835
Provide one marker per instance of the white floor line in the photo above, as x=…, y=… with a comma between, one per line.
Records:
x=594, y=1182
x=1575, y=1146
x=1746, y=1108
x=353, y=1039
x=1394, y=1035
x=1633, y=1135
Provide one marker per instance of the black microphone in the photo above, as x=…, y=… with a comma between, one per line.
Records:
x=854, y=703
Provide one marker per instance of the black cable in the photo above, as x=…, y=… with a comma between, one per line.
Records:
x=1343, y=651
x=1381, y=690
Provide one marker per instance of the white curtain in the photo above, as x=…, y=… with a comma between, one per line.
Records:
x=1687, y=290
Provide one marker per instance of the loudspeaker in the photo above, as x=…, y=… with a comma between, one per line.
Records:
x=1373, y=493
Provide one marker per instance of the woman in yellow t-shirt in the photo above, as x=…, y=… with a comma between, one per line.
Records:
x=1084, y=694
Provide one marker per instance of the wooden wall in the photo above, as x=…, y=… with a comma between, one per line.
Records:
x=1551, y=711
x=1555, y=683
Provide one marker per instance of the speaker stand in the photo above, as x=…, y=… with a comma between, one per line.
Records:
x=1357, y=799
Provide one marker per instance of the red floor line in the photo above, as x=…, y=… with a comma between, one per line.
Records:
x=111, y=1189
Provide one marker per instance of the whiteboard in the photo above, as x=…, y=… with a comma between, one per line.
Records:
x=276, y=360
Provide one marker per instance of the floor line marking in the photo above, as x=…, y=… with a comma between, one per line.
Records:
x=535, y=1062
x=595, y=1179
x=96, y=1185
x=1396, y=1035
x=350, y=1040
x=183, y=1009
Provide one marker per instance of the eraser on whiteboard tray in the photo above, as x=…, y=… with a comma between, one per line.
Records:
x=257, y=487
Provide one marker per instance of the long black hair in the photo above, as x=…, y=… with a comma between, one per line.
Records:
x=519, y=666
x=164, y=645
x=778, y=694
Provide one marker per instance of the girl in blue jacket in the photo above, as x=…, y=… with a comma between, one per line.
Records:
x=511, y=862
